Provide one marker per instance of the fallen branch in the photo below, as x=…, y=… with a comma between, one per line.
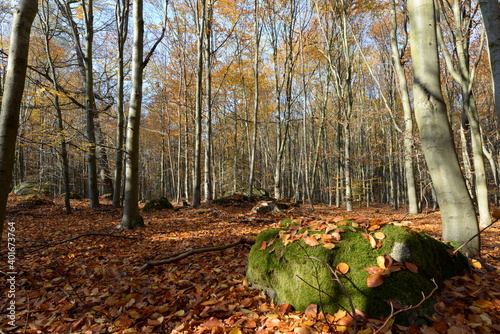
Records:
x=174, y=258
x=51, y=244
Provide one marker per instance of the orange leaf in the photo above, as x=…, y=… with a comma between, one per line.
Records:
x=285, y=308
x=342, y=268
x=263, y=246
x=374, y=280
x=375, y=270
x=311, y=241
x=411, y=267
x=496, y=214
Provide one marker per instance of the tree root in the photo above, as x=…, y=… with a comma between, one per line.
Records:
x=176, y=257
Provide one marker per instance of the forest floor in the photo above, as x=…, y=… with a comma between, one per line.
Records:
x=78, y=274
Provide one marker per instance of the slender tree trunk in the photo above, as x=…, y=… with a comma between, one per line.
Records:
x=122, y=12
x=256, y=98
x=57, y=106
x=131, y=218
x=208, y=103
x=12, y=96
x=457, y=211
x=407, y=114
x=490, y=9
x=198, y=109
x=465, y=77
x=90, y=104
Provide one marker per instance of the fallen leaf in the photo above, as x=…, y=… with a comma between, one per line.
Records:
x=381, y=261
x=379, y=235
x=311, y=241
x=329, y=245
x=342, y=268
x=411, y=267
x=311, y=311
x=374, y=280
x=263, y=246
x=285, y=308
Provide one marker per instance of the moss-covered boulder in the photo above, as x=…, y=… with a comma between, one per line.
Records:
x=377, y=264
x=29, y=188
x=155, y=204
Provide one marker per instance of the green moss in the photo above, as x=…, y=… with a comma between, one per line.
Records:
x=157, y=204
x=290, y=274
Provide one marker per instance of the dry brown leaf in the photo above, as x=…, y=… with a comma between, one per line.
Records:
x=411, y=267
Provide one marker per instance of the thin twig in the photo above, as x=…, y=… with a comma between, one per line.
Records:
x=344, y=289
x=474, y=236
x=407, y=308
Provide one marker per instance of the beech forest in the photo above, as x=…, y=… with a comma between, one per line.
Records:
x=164, y=164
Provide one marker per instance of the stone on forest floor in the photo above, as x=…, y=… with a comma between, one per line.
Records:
x=157, y=204
x=376, y=263
x=269, y=207
x=32, y=188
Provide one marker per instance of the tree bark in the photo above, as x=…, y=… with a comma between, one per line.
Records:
x=198, y=111
x=490, y=9
x=122, y=12
x=57, y=106
x=12, y=95
x=457, y=211
x=411, y=189
x=132, y=218
x=256, y=97
x=90, y=104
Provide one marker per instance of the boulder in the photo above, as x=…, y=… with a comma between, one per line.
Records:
x=155, y=204
x=376, y=264
x=28, y=188
x=268, y=207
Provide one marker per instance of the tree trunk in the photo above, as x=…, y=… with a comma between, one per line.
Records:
x=198, y=109
x=57, y=106
x=122, y=12
x=490, y=9
x=408, y=117
x=90, y=104
x=457, y=211
x=12, y=95
x=208, y=103
x=256, y=98
x=131, y=218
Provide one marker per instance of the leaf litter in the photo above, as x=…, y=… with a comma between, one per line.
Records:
x=92, y=284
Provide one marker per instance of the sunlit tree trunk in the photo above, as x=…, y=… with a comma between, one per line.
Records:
x=45, y=21
x=208, y=103
x=457, y=211
x=12, y=96
x=464, y=75
x=90, y=103
x=256, y=97
x=201, y=19
x=490, y=9
x=413, y=208
x=122, y=12
x=132, y=218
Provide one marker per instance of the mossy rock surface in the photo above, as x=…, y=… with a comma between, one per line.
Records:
x=289, y=274
x=155, y=204
x=29, y=188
